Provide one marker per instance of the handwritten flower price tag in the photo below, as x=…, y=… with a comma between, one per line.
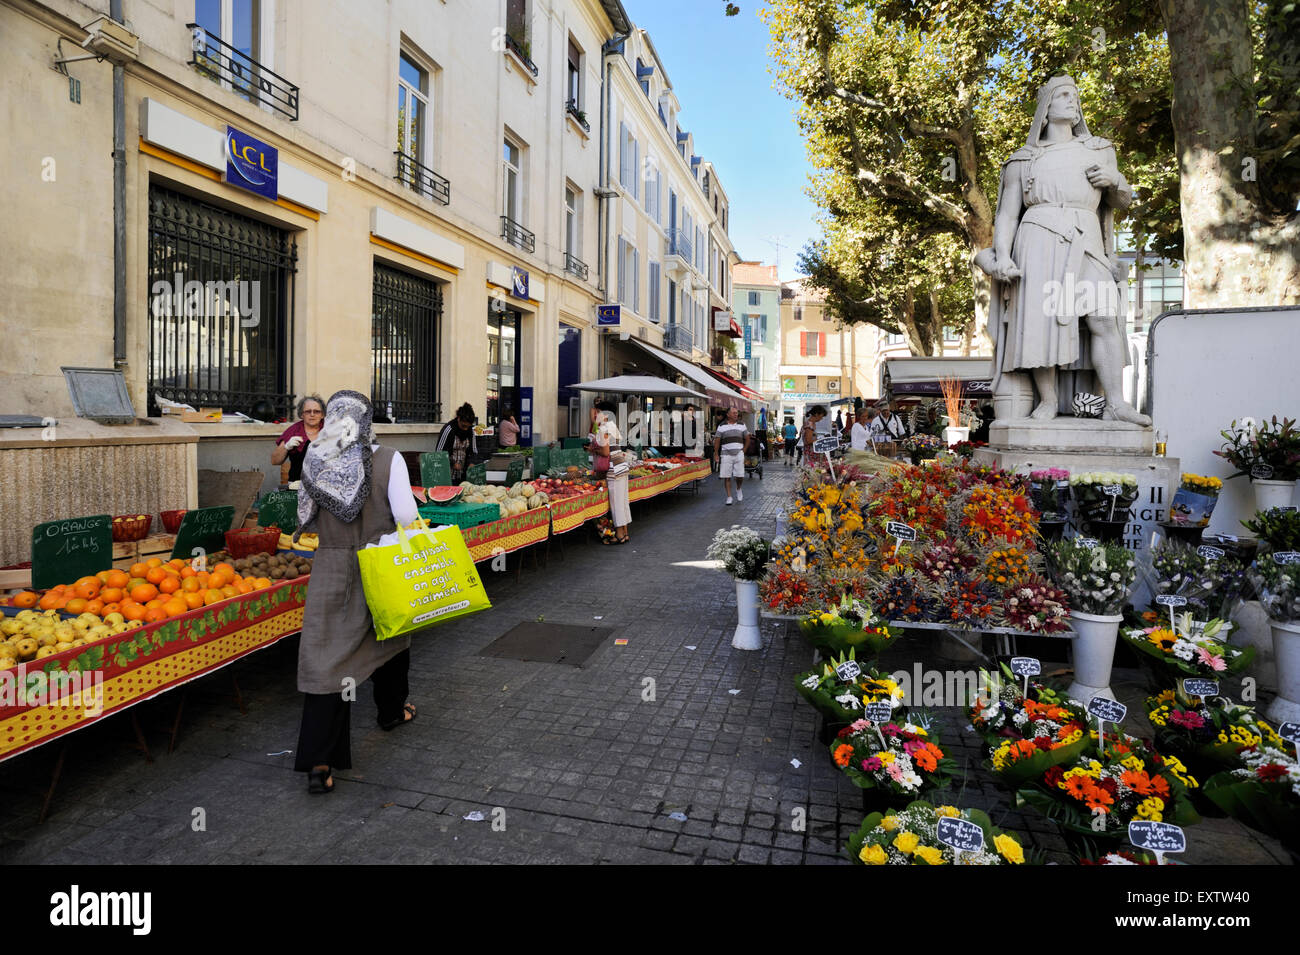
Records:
x=1026, y=667
x=1262, y=472
x=1290, y=732
x=1157, y=837
x=1210, y=553
x=1088, y=542
x=1287, y=557
x=848, y=671
x=900, y=532
x=1171, y=601
x=961, y=835
x=1105, y=710
x=1194, y=686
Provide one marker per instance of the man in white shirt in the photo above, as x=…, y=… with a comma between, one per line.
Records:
x=888, y=425
x=860, y=435
x=729, y=452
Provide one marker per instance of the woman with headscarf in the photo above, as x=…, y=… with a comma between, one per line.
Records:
x=605, y=444
x=353, y=493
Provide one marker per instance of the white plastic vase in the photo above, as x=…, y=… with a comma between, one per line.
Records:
x=1270, y=494
x=954, y=435
x=1286, y=650
x=747, y=636
x=1094, y=654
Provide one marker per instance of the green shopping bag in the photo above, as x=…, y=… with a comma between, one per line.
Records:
x=425, y=578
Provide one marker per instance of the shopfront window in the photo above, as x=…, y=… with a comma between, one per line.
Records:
x=503, y=364
x=404, y=345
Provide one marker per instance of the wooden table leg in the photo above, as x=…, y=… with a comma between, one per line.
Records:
x=176, y=723
x=140, y=741
x=54, y=782
x=239, y=697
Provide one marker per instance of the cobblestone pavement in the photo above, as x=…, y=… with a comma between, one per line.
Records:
x=575, y=764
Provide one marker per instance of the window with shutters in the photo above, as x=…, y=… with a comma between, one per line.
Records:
x=753, y=298
x=628, y=166
x=653, y=306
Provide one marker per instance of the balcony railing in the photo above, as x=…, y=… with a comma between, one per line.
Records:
x=517, y=48
x=575, y=266
x=422, y=179
x=678, y=338
x=578, y=115
x=218, y=60
x=516, y=234
x=680, y=244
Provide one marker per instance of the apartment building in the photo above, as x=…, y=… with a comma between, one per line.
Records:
x=821, y=361
x=397, y=198
x=756, y=304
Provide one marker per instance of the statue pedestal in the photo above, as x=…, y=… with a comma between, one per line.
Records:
x=1084, y=444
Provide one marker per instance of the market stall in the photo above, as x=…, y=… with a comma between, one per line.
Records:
x=650, y=485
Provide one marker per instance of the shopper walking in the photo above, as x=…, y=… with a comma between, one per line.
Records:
x=791, y=435
x=608, y=457
x=353, y=492
x=729, y=452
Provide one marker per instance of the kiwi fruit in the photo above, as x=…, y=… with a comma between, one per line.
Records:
x=290, y=573
x=276, y=573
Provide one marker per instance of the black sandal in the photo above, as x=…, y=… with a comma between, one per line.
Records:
x=316, y=781
x=408, y=711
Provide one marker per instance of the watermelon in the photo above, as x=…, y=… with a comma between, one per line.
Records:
x=419, y=494
x=445, y=494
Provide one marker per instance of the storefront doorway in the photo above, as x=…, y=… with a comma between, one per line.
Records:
x=503, y=364
x=570, y=372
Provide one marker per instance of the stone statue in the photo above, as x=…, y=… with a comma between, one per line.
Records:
x=1053, y=259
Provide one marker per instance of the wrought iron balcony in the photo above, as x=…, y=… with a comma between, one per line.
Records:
x=422, y=179
x=578, y=115
x=218, y=60
x=575, y=266
x=678, y=338
x=516, y=234
x=516, y=47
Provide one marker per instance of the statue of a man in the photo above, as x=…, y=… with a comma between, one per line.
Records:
x=1053, y=259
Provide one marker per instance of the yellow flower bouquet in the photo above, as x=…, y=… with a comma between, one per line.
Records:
x=911, y=837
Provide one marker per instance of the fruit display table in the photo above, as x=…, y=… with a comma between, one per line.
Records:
x=43, y=700
x=507, y=534
x=641, y=488
x=572, y=512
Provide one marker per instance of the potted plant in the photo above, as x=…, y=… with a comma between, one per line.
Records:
x=1097, y=580
x=1103, y=499
x=1276, y=577
x=1050, y=490
x=744, y=555
x=1269, y=455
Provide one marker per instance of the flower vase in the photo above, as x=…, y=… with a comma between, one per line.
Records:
x=747, y=636
x=1108, y=532
x=956, y=435
x=1094, y=654
x=1051, y=530
x=1184, y=532
x=1271, y=494
x=1286, y=651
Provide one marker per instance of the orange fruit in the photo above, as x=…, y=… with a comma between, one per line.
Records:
x=155, y=575
x=154, y=615
x=244, y=587
x=76, y=605
x=153, y=562
x=263, y=583
x=89, y=579
x=187, y=572
x=139, y=570
x=175, y=607
x=203, y=576
x=143, y=593
x=48, y=601
x=111, y=608
x=26, y=600
x=133, y=583
x=169, y=585
x=225, y=569
x=95, y=606
x=213, y=596
x=102, y=576
x=230, y=590
x=87, y=589
x=111, y=594
x=190, y=585
x=177, y=564
x=218, y=579
x=117, y=578
x=133, y=611
x=193, y=600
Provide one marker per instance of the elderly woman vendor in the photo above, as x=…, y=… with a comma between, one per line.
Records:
x=298, y=436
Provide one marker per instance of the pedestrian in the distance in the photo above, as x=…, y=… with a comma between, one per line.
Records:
x=729, y=452
x=353, y=493
x=457, y=438
x=810, y=433
x=791, y=435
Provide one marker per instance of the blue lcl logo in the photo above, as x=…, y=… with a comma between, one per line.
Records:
x=252, y=164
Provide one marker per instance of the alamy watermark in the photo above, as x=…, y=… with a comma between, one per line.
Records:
x=74, y=689
x=194, y=299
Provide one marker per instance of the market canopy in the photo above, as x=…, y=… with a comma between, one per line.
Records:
x=719, y=395
x=921, y=376
x=635, y=385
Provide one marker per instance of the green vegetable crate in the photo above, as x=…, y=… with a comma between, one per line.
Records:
x=460, y=514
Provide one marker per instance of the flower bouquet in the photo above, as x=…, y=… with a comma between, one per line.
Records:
x=1000, y=698
x=1209, y=585
x=1103, y=496
x=850, y=625
x=1050, y=489
x=1277, y=584
x=985, y=513
x=1269, y=452
x=742, y=550
x=1264, y=793
x=1276, y=529
x=786, y=592
x=1192, y=650
x=840, y=701
x=1122, y=857
x=1194, y=500
x=1044, y=735
x=1210, y=735
x=966, y=449
x=922, y=447
x=1097, y=580
x=911, y=837
x=1097, y=794
x=897, y=761
x=905, y=595
x=1034, y=605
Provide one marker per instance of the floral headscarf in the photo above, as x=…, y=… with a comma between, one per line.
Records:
x=336, y=470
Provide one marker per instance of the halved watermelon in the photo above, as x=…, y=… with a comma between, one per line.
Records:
x=419, y=494
x=445, y=495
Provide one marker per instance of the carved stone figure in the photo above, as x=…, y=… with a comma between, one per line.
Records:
x=1053, y=259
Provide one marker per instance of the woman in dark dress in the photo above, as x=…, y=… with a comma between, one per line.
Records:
x=353, y=492
x=296, y=438
x=458, y=440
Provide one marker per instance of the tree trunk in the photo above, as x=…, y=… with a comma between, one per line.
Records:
x=917, y=342
x=1233, y=254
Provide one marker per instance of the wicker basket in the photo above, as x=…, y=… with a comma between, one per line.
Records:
x=131, y=527
x=172, y=520
x=252, y=540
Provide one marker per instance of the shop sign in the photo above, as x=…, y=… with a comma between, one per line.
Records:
x=251, y=164
x=748, y=343
x=721, y=320
x=518, y=282
x=808, y=396
x=788, y=384
x=608, y=316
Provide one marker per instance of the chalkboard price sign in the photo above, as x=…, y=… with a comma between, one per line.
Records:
x=826, y=445
x=1106, y=709
x=63, y=551
x=1156, y=836
x=1287, y=557
x=279, y=509
x=1112, y=490
x=878, y=711
x=1194, y=686
x=962, y=834
x=1290, y=732
x=1026, y=666
x=1171, y=600
x=1262, y=472
x=1089, y=542
x=902, y=531
x=1210, y=553
x=848, y=671
x=203, y=528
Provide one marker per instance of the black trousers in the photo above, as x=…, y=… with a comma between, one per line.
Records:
x=325, y=737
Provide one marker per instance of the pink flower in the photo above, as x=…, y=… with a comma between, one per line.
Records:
x=1187, y=720
x=895, y=772
x=890, y=729
x=857, y=726
x=911, y=746
x=1210, y=660
x=871, y=764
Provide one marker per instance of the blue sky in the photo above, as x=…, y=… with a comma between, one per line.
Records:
x=718, y=66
